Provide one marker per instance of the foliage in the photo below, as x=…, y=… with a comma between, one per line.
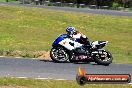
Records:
x=115, y=5
x=124, y=3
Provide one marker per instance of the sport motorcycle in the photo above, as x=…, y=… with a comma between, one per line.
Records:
x=67, y=49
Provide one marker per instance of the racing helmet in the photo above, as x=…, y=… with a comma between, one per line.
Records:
x=70, y=30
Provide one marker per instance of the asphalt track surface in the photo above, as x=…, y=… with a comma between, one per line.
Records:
x=85, y=10
x=36, y=68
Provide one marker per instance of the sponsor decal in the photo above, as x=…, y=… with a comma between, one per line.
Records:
x=83, y=78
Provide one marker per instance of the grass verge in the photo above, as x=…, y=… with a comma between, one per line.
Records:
x=33, y=29
x=32, y=83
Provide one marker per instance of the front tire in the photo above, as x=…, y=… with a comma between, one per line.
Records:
x=104, y=61
x=59, y=55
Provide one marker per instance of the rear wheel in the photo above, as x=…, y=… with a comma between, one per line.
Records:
x=59, y=54
x=103, y=59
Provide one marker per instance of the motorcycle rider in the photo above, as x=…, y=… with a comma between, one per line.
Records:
x=80, y=37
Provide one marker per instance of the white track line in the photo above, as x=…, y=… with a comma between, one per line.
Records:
x=43, y=78
x=24, y=58
x=2, y=56
x=38, y=78
x=46, y=79
x=20, y=77
x=60, y=79
x=49, y=78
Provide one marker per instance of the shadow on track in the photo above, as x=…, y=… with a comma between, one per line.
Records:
x=91, y=63
x=70, y=62
x=53, y=62
x=46, y=60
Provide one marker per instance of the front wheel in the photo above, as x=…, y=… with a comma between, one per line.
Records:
x=59, y=54
x=103, y=59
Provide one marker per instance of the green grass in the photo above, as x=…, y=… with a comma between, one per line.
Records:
x=3, y=0
x=34, y=29
x=32, y=83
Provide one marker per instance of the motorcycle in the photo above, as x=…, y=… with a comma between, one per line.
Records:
x=66, y=49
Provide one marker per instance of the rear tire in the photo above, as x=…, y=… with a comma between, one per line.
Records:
x=99, y=61
x=59, y=55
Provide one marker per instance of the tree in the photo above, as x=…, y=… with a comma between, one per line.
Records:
x=78, y=3
x=124, y=3
x=127, y=3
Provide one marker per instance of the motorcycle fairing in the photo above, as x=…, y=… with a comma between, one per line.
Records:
x=99, y=44
x=65, y=41
x=60, y=38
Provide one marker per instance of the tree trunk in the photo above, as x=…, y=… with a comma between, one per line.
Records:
x=78, y=3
